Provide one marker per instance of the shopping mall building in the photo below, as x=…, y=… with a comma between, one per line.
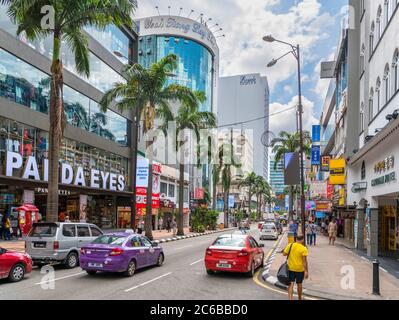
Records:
x=198, y=69
x=96, y=148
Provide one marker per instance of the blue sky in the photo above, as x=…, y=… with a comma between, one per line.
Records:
x=314, y=24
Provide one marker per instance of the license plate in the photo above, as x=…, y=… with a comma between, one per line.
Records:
x=95, y=265
x=224, y=265
x=39, y=245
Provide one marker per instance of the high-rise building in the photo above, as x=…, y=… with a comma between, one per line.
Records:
x=244, y=105
x=96, y=146
x=277, y=177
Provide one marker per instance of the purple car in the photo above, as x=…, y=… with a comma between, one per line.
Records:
x=120, y=252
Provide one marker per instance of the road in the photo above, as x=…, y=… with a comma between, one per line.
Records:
x=182, y=277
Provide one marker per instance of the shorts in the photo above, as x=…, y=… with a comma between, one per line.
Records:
x=297, y=277
x=332, y=234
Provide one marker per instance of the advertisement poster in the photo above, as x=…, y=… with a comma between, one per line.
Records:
x=337, y=171
x=325, y=163
x=319, y=189
x=82, y=208
x=142, y=172
x=142, y=184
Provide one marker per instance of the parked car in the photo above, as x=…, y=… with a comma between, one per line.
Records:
x=234, y=253
x=269, y=231
x=14, y=265
x=120, y=252
x=59, y=242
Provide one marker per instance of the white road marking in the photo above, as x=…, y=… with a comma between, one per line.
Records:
x=56, y=279
x=195, y=262
x=145, y=283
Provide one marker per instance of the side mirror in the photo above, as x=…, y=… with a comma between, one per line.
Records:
x=261, y=245
x=154, y=244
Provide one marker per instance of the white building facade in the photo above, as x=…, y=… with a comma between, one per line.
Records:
x=372, y=172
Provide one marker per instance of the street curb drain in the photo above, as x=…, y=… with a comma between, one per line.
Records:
x=191, y=236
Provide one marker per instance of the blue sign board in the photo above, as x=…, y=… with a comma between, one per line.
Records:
x=315, y=155
x=316, y=130
x=277, y=208
x=231, y=201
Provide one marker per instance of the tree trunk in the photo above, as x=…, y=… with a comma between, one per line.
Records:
x=180, y=229
x=291, y=203
x=226, y=208
x=249, y=204
x=148, y=215
x=55, y=134
x=214, y=197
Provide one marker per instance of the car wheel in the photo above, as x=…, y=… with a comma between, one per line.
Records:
x=131, y=269
x=91, y=272
x=210, y=272
x=72, y=260
x=17, y=273
x=251, y=272
x=161, y=259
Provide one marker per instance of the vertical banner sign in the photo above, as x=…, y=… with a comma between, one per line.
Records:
x=287, y=202
x=291, y=169
x=142, y=172
x=325, y=163
x=316, y=129
x=315, y=155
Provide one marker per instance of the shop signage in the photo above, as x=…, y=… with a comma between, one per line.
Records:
x=319, y=189
x=323, y=206
x=199, y=194
x=325, y=163
x=316, y=129
x=68, y=175
x=185, y=26
x=248, y=80
x=385, y=165
x=337, y=171
x=60, y=192
x=384, y=180
x=315, y=155
x=342, y=197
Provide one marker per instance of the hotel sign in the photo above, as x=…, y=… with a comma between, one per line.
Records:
x=68, y=175
x=384, y=180
x=385, y=165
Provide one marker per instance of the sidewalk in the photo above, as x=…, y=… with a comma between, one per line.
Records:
x=325, y=279
x=159, y=236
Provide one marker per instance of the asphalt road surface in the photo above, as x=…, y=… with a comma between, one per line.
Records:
x=182, y=277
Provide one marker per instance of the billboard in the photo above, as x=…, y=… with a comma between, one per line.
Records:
x=337, y=171
x=291, y=169
x=319, y=189
x=323, y=206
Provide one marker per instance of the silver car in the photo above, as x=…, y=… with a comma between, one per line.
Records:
x=59, y=242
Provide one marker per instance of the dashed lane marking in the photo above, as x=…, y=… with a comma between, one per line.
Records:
x=148, y=282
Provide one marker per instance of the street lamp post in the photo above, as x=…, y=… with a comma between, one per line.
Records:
x=295, y=50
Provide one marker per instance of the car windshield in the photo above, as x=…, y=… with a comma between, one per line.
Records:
x=110, y=239
x=43, y=230
x=230, y=242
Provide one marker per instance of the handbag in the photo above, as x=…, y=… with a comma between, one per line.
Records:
x=283, y=272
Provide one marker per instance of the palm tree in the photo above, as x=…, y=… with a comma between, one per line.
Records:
x=262, y=191
x=288, y=143
x=249, y=183
x=69, y=19
x=147, y=90
x=188, y=117
x=222, y=172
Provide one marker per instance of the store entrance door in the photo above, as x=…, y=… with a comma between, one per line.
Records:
x=388, y=231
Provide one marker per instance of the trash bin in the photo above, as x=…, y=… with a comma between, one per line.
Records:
x=291, y=237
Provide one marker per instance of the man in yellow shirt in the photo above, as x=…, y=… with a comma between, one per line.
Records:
x=297, y=266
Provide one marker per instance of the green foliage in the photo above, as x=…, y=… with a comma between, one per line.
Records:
x=203, y=219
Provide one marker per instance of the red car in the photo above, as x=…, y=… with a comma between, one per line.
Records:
x=234, y=253
x=14, y=265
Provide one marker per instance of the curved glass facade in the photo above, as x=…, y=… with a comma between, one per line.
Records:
x=195, y=63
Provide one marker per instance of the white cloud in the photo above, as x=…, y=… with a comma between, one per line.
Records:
x=287, y=120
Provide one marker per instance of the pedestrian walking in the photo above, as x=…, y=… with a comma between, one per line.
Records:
x=174, y=227
x=313, y=228
x=168, y=224
x=160, y=224
x=309, y=233
x=140, y=228
x=6, y=223
x=332, y=231
x=324, y=227
x=297, y=266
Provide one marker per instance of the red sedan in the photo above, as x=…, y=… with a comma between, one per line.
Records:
x=234, y=253
x=14, y=265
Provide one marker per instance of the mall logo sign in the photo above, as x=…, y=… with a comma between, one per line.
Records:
x=248, y=80
x=68, y=175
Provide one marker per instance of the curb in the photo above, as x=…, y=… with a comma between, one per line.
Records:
x=194, y=235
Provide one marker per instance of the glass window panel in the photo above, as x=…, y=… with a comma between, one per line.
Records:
x=77, y=108
x=23, y=84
